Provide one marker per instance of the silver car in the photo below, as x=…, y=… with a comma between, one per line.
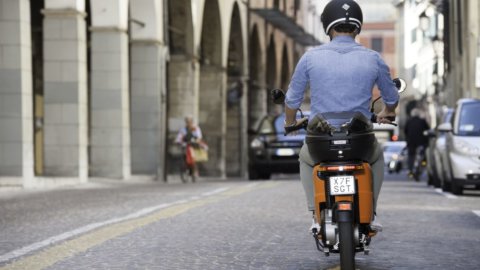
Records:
x=436, y=151
x=462, y=147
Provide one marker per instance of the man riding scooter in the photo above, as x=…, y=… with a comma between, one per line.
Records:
x=341, y=75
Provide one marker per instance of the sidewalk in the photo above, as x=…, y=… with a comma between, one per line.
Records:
x=9, y=189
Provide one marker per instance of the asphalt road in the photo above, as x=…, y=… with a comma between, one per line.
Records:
x=225, y=225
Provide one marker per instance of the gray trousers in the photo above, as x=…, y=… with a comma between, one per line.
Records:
x=306, y=174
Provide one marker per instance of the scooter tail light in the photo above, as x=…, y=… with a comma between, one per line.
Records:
x=344, y=206
x=341, y=168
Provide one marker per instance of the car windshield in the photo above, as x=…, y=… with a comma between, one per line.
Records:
x=279, y=124
x=469, y=122
x=394, y=148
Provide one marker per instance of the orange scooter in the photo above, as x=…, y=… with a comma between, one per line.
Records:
x=343, y=186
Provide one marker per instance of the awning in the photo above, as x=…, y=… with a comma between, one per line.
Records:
x=287, y=25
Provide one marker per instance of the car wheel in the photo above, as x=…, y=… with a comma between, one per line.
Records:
x=446, y=186
x=399, y=168
x=433, y=180
x=253, y=174
x=436, y=182
x=430, y=179
x=457, y=188
x=265, y=175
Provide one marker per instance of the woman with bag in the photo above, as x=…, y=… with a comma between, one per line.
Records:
x=190, y=137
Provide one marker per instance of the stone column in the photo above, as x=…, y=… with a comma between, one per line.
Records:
x=183, y=83
x=65, y=93
x=16, y=114
x=110, y=103
x=148, y=107
x=257, y=104
x=244, y=145
x=213, y=118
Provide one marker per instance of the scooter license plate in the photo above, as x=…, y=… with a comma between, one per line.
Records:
x=342, y=185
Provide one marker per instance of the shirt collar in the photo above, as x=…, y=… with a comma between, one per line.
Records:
x=343, y=39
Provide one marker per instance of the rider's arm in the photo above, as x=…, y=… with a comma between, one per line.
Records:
x=290, y=115
x=296, y=89
x=387, y=89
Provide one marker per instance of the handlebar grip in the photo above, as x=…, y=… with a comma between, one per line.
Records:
x=390, y=118
x=303, y=123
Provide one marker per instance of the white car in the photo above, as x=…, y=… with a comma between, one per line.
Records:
x=436, y=151
x=462, y=164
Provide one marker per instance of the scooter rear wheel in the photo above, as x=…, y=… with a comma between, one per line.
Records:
x=347, y=248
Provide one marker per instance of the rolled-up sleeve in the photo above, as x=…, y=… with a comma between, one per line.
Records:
x=384, y=82
x=296, y=89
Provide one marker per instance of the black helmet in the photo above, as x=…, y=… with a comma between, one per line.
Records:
x=340, y=12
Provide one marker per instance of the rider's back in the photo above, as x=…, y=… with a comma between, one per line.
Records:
x=341, y=75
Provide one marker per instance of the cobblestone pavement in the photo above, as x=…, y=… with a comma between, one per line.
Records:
x=225, y=225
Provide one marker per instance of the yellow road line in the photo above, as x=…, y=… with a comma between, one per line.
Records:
x=69, y=248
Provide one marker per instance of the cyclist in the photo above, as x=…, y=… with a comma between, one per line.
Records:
x=190, y=136
x=414, y=129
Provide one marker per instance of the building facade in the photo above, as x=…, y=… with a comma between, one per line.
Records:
x=462, y=51
x=420, y=62
x=440, y=40
x=92, y=88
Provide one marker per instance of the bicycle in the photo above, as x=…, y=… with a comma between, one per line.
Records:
x=187, y=168
x=419, y=163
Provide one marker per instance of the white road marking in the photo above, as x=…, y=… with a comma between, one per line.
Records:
x=476, y=212
x=64, y=236
x=448, y=195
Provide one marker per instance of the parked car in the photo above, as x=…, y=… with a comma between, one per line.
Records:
x=436, y=151
x=272, y=152
x=462, y=147
x=394, y=155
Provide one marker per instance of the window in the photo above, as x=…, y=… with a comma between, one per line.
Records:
x=413, y=35
x=469, y=122
x=377, y=44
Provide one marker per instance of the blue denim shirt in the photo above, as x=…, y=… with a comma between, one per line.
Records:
x=341, y=75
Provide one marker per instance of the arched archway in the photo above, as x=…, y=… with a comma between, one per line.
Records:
x=180, y=27
x=182, y=76
x=235, y=95
x=271, y=73
x=110, y=147
x=276, y=4
x=36, y=20
x=147, y=88
x=285, y=75
x=257, y=94
x=65, y=95
x=212, y=90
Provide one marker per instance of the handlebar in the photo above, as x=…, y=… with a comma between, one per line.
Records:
x=302, y=123
x=389, y=118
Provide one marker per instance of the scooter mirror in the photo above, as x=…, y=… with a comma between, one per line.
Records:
x=400, y=84
x=278, y=96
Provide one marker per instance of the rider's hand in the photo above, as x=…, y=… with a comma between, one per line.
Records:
x=295, y=123
x=382, y=116
x=286, y=124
